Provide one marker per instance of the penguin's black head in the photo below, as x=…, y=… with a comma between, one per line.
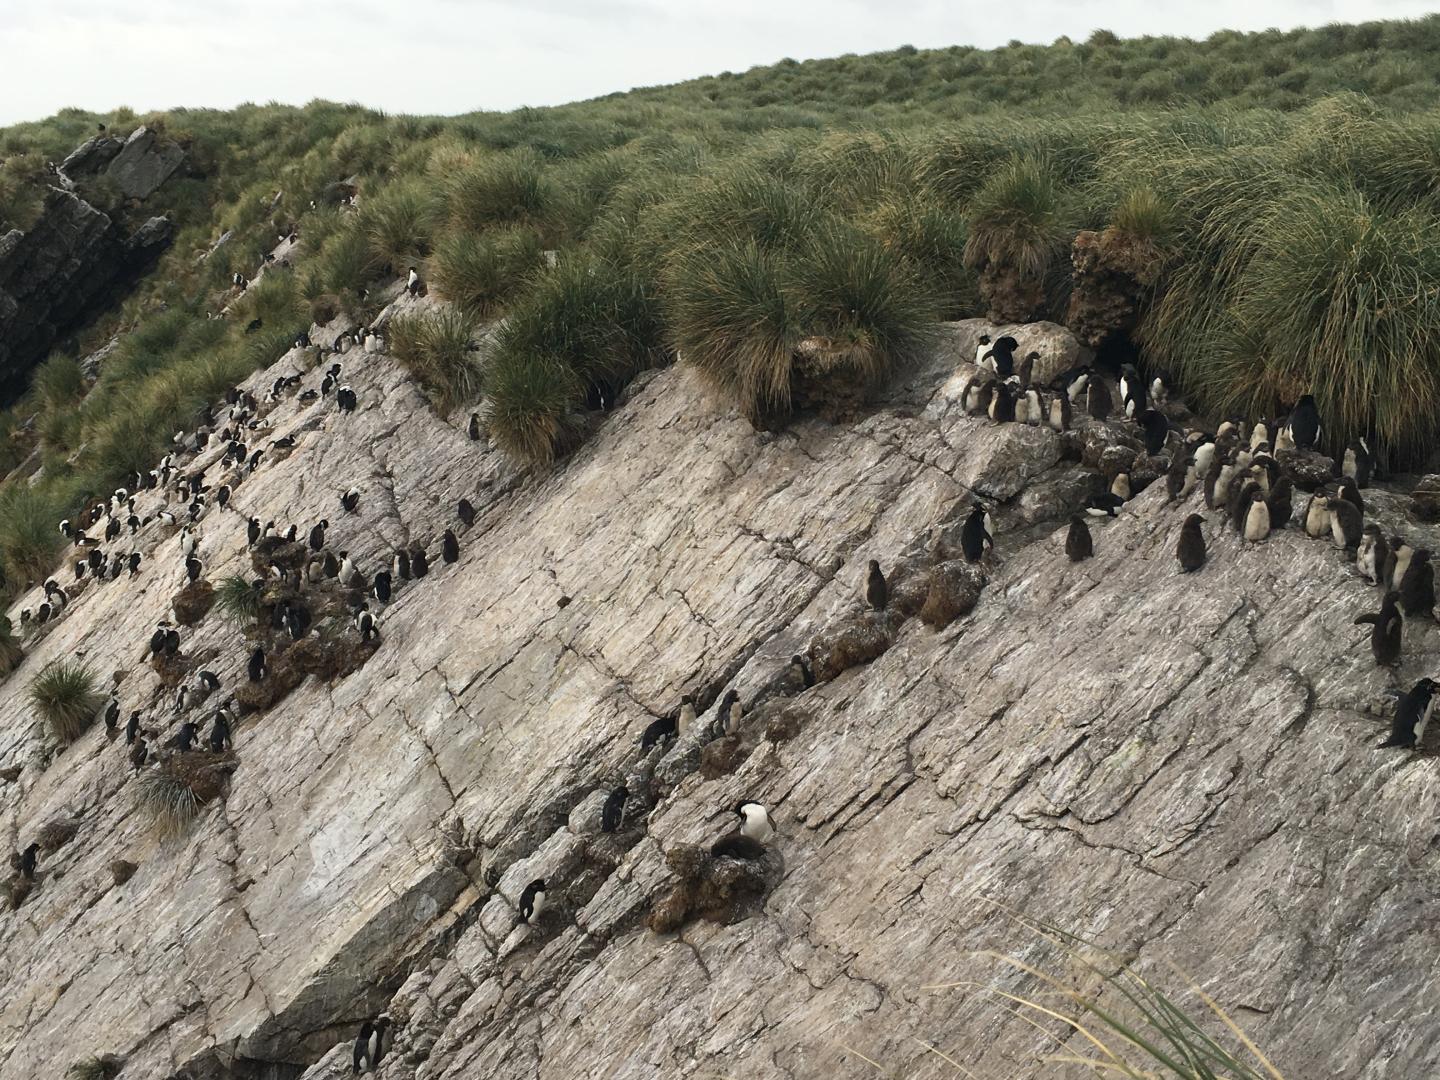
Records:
x=1427, y=686
x=1007, y=343
x=797, y=659
x=731, y=696
x=874, y=565
x=686, y=699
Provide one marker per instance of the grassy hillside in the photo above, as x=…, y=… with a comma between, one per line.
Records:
x=1276, y=192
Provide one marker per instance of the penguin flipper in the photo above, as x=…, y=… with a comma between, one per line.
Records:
x=1371, y=619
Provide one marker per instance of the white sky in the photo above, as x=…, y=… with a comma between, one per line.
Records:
x=453, y=56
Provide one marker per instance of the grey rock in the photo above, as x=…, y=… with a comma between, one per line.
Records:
x=144, y=163
x=91, y=156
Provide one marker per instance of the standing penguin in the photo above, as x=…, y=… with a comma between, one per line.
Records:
x=380, y=586
x=1412, y=715
x=1397, y=561
x=975, y=397
x=1346, y=525
x=256, y=666
x=1097, y=401
x=975, y=535
x=1417, y=587
x=419, y=562
x=112, y=715
x=730, y=713
x=801, y=670
x=28, y=859
x=614, y=811
x=317, y=534
x=1358, y=463
x=532, y=902
x=981, y=348
x=370, y=1045
x=1002, y=404
x=1060, y=412
x=473, y=428
x=755, y=821
x=1305, y=423
x=450, y=547
x=1387, y=627
x=1191, y=548
x=1257, y=521
x=465, y=512
x=1002, y=356
x=220, y=734
x=1078, y=545
x=876, y=591
x=1281, y=499
x=1132, y=391
x=1347, y=490
x=1317, y=515
x=1370, y=555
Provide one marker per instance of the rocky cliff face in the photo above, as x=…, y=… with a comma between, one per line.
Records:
x=76, y=259
x=1178, y=766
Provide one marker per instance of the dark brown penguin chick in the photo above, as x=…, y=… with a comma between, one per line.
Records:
x=1417, y=587
x=876, y=592
x=1078, y=545
x=1191, y=548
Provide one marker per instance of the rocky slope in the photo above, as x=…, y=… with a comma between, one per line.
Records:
x=77, y=258
x=1181, y=767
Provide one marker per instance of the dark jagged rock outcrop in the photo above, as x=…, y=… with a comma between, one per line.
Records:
x=1113, y=271
x=71, y=263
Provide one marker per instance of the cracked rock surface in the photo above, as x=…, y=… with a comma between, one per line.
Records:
x=1179, y=767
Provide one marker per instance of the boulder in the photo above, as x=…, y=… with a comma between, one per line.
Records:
x=144, y=163
x=91, y=156
x=1059, y=349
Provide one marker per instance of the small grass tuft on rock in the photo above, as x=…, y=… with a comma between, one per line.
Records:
x=176, y=790
x=436, y=349
x=64, y=695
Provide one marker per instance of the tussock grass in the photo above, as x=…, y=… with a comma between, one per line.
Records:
x=58, y=383
x=531, y=405
x=506, y=189
x=180, y=786
x=29, y=530
x=481, y=273
x=237, y=599
x=1018, y=219
x=1129, y=1026
x=398, y=225
x=65, y=695
x=435, y=348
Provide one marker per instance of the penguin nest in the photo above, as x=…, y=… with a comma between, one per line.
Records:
x=106, y=1067
x=122, y=870
x=19, y=889
x=172, y=670
x=857, y=641
x=954, y=590
x=11, y=653
x=193, y=603
x=180, y=787
x=277, y=551
x=721, y=757
x=720, y=890
x=54, y=835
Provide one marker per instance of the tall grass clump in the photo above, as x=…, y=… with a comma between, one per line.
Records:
x=58, y=383
x=532, y=405
x=504, y=189
x=238, y=599
x=482, y=272
x=437, y=349
x=176, y=790
x=1132, y=1027
x=29, y=531
x=1340, y=296
x=399, y=223
x=731, y=320
x=1019, y=229
x=65, y=696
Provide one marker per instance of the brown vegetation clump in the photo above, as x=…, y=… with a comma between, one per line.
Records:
x=721, y=757
x=1113, y=272
x=19, y=889
x=953, y=590
x=122, y=870
x=56, y=833
x=279, y=680
x=193, y=603
x=857, y=641
x=720, y=890
x=177, y=789
x=172, y=669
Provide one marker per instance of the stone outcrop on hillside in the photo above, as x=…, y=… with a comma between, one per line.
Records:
x=76, y=258
x=1112, y=272
x=72, y=262
x=1181, y=767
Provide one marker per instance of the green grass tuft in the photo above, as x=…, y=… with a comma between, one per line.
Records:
x=179, y=787
x=65, y=696
x=436, y=349
x=238, y=599
x=482, y=273
x=530, y=406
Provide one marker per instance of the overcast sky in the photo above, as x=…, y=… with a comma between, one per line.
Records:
x=454, y=56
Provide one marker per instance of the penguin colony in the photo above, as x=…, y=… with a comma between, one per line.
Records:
x=1245, y=474
x=1242, y=481
x=113, y=537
